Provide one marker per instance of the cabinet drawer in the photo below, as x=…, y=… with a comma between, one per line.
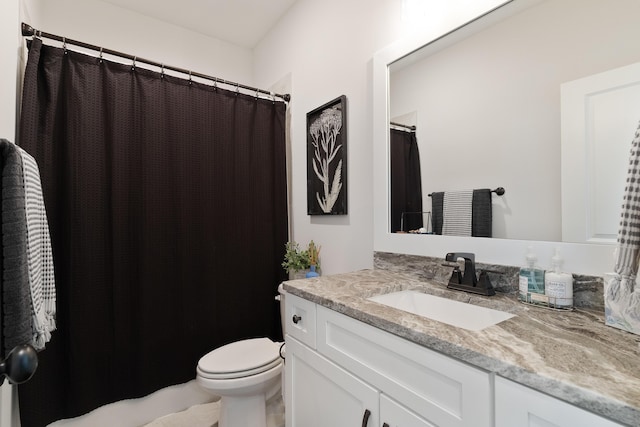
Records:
x=520, y=406
x=439, y=389
x=300, y=319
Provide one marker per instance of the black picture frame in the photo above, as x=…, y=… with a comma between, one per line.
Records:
x=327, y=158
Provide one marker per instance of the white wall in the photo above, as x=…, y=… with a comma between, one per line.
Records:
x=112, y=27
x=328, y=48
x=9, y=42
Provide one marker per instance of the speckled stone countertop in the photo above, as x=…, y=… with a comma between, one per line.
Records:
x=570, y=355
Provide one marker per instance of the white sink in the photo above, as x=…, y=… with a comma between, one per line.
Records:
x=454, y=313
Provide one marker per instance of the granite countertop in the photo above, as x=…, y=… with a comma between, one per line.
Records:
x=570, y=355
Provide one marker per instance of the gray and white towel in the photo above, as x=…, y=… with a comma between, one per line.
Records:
x=39, y=255
x=622, y=289
x=457, y=213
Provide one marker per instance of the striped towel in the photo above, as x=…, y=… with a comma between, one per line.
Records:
x=39, y=255
x=628, y=249
x=457, y=213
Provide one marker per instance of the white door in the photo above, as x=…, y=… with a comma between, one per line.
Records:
x=600, y=114
x=321, y=394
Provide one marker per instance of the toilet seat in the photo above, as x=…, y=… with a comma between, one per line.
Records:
x=240, y=359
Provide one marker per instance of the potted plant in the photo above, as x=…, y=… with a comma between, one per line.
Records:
x=296, y=261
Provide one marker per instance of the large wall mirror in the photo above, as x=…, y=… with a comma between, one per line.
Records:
x=486, y=100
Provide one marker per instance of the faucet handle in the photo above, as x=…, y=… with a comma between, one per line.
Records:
x=454, y=256
x=456, y=276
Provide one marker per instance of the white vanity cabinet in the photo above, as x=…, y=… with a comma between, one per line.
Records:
x=319, y=393
x=520, y=406
x=352, y=368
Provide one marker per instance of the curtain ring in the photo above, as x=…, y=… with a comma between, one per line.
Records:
x=190, y=80
x=237, y=88
x=256, y=94
x=38, y=34
x=100, y=55
x=133, y=66
x=162, y=71
x=215, y=83
x=273, y=97
x=64, y=45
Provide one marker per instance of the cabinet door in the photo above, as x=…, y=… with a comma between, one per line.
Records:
x=320, y=394
x=520, y=406
x=392, y=414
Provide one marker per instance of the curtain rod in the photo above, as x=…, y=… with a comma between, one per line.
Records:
x=28, y=30
x=499, y=191
x=412, y=128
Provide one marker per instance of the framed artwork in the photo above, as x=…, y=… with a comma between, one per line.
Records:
x=327, y=158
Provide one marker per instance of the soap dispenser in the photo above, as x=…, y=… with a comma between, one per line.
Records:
x=558, y=285
x=531, y=280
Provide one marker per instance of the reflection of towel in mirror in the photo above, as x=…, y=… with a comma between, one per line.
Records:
x=456, y=213
x=437, y=199
x=468, y=213
x=482, y=221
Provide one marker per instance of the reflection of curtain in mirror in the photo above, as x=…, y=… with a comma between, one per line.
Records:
x=406, y=187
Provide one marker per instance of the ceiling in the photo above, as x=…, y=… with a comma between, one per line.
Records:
x=241, y=22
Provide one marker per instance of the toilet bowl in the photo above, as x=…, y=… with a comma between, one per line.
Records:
x=245, y=374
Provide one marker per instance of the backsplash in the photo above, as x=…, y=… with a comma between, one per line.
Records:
x=588, y=291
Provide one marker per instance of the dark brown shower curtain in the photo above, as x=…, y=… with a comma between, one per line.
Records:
x=167, y=207
x=406, y=181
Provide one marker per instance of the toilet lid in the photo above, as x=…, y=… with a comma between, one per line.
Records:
x=240, y=359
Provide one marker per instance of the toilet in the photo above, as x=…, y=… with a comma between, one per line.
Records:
x=245, y=374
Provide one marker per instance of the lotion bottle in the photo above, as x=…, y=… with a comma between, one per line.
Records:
x=531, y=282
x=558, y=285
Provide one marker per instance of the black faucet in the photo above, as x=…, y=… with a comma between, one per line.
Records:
x=468, y=282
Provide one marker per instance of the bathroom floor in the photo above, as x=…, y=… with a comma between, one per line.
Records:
x=206, y=415
x=182, y=405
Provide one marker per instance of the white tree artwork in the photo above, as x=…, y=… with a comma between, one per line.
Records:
x=324, y=133
x=326, y=159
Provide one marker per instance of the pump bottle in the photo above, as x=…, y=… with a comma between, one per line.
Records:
x=558, y=285
x=531, y=279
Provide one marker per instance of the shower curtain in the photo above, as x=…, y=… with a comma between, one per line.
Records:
x=406, y=184
x=168, y=215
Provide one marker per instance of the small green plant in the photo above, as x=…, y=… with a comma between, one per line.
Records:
x=294, y=258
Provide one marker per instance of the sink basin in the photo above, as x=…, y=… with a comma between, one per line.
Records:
x=454, y=313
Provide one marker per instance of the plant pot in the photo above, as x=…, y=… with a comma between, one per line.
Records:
x=295, y=275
